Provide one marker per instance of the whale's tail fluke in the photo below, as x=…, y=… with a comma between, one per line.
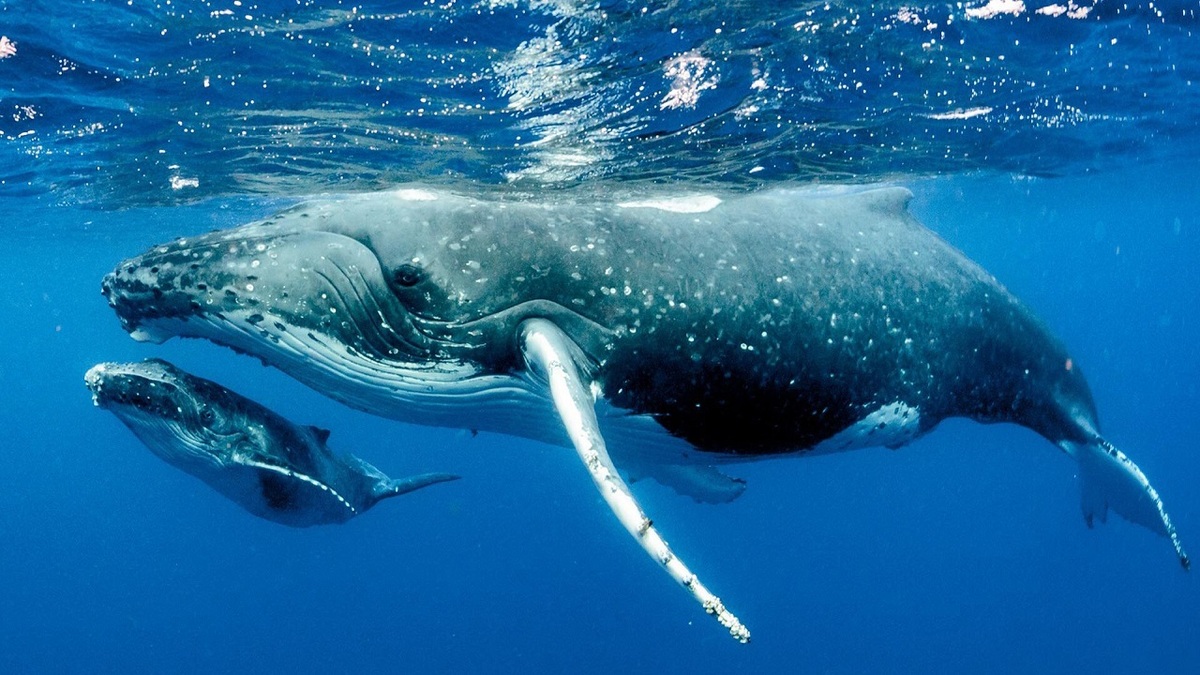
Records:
x=400, y=486
x=1110, y=480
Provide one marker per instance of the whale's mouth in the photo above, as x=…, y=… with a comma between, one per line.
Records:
x=157, y=407
x=314, y=304
x=257, y=284
x=144, y=389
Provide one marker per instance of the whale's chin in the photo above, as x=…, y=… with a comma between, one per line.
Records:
x=150, y=334
x=436, y=392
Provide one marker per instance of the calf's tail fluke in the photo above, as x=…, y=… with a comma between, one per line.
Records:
x=400, y=486
x=1110, y=480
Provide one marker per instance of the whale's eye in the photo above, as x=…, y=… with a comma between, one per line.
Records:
x=207, y=417
x=408, y=275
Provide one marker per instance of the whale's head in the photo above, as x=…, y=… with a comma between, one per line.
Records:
x=185, y=420
x=363, y=298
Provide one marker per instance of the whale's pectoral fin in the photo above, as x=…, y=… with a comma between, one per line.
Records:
x=704, y=484
x=400, y=486
x=553, y=356
x=1109, y=479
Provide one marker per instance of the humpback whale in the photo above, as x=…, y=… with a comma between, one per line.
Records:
x=270, y=467
x=662, y=336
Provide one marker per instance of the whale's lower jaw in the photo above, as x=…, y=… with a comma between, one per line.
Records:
x=147, y=333
x=169, y=440
x=165, y=434
x=444, y=393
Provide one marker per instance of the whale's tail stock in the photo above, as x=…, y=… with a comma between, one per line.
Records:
x=1110, y=480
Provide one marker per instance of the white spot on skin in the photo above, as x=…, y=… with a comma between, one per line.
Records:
x=687, y=204
x=892, y=425
x=415, y=195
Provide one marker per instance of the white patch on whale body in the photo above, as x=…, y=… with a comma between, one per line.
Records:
x=94, y=378
x=145, y=333
x=891, y=426
x=415, y=195
x=687, y=204
x=551, y=355
x=284, y=471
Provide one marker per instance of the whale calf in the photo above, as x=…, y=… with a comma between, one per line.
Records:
x=664, y=336
x=270, y=467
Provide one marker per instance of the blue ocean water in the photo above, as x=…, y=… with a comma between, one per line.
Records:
x=1067, y=169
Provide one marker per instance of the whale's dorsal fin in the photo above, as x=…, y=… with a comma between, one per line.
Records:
x=322, y=435
x=891, y=200
x=551, y=355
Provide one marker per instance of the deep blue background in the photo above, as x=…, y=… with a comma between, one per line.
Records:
x=964, y=552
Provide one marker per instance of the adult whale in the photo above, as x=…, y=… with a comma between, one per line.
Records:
x=276, y=470
x=676, y=331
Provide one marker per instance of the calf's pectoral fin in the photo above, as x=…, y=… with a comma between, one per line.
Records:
x=552, y=355
x=1110, y=480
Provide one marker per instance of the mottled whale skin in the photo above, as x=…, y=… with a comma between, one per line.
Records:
x=767, y=324
x=274, y=469
x=703, y=329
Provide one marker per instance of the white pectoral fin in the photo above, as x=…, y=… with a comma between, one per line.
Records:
x=552, y=355
x=1110, y=480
